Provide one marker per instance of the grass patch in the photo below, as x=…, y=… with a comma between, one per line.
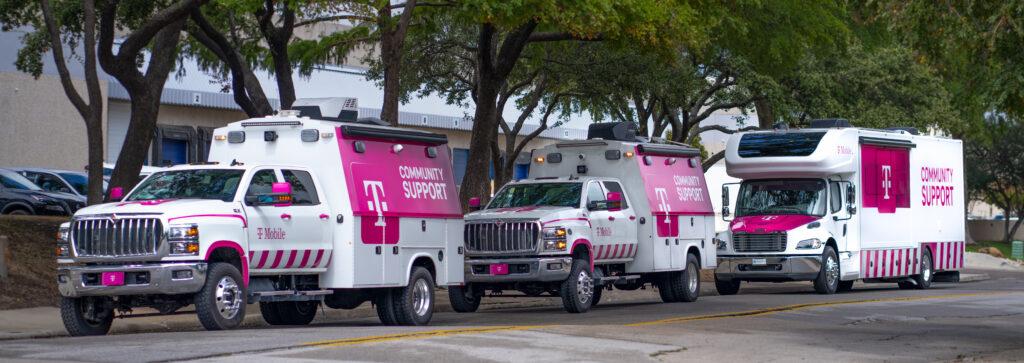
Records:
x=32, y=279
x=1003, y=247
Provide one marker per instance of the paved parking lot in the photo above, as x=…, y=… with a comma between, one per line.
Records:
x=766, y=322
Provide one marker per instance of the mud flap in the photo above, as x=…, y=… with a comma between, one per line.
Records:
x=947, y=276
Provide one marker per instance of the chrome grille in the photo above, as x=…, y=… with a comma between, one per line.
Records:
x=759, y=242
x=502, y=237
x=121, y=237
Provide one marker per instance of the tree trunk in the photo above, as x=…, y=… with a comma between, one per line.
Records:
x=392, y=60
x=765, y=113
x=485, y=129
x=1013, y=231
x=145, y=108
x=94, y=135
x=283, y=74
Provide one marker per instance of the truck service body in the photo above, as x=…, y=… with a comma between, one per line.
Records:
x=834, y=205
x=290, y=211
x=593, y=214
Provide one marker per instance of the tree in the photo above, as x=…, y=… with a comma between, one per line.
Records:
x=48, y=36
x=996, y=172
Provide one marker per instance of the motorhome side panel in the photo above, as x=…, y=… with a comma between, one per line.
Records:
x=402, y=194
x=937, y=197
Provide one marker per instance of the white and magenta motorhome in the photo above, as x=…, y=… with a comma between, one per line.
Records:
x=607, y=211
x=290, y=211
x=835, y=204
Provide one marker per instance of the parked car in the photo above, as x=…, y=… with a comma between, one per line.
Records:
x=19, y=196
x=60, y=181
x=108, y=170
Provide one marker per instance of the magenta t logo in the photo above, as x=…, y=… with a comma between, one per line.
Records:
x=663, y=202
x=375, y=190
x=886, y=180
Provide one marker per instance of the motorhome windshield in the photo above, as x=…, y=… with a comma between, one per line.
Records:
x=538, y=194
x=189, y=184
x=788, y=196
x=779, y=143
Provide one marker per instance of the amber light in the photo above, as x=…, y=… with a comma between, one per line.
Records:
x=192, y=248
x=539, y=160
x=220, y=137
x=629, y=154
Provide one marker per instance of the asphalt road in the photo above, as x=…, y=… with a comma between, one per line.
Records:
x=981, y=321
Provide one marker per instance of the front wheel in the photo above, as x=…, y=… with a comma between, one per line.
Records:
x=220, y=304
x=86, y=315
x=414, y=303
x=578, y=290
x=727, y=287
x=828, y=277
x=463, y=299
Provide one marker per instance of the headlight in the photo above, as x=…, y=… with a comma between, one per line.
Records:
x=63, y=250
x=183, y=240
x=809, y=244
x=62, y=234
x=555, y=238
x=720, y=244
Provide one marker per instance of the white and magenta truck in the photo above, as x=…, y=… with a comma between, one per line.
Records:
x=610, y=211
x=290, y=212
x=834, y=204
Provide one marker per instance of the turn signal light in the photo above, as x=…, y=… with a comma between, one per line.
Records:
x=192, y=248
x=629, y=154
x=539, y=160
x=220, y=137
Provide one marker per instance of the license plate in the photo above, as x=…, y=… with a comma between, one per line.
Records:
x=759, y=262
x=112, y=278
x=499, y=269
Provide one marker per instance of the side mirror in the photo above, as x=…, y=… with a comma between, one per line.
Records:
x=614, y=201
x=474, y=203
x=280, y=196
x=851, y=197
x=725, y=196
x=725, y=212
x=116, y=194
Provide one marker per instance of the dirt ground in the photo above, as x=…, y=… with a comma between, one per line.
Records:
x=31, y=264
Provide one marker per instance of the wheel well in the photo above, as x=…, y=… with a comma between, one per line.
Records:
x=427, y=263
x=581, y=251
x=696, y=252
x=226, y=255
x=17, y=206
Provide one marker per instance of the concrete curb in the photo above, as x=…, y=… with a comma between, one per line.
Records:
x=974, y=277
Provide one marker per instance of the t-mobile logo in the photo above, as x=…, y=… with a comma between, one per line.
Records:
x=375, y=189
x=886, y=180
x=663, y=202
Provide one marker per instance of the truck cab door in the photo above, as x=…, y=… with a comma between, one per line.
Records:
x=623, y=223
x=600, y=225
x=267, y=229
x=309, y=223
x=837, y=224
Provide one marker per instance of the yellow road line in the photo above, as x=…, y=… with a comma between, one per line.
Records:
x=417, y=335
x=795, y=307
x=757, y=312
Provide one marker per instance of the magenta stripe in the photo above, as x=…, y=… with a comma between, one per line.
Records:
x=263, y=259
x=616, y=251
x=319, y=255
x=277, y=259
x=330, y=256
x=305, y=259
x=291, y=259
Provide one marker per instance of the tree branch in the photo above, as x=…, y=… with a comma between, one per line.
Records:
x=142, y=36
x=710, y=161
x=333, y=18
x=561, y=36
x=57, y=47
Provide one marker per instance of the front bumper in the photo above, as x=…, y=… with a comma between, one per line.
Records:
x=526, y=269
x=142, y=279
x=775, y=268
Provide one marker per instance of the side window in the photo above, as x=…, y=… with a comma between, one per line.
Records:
x=51, y=183
x=303, y=189
x=594, y=193
x=836, y=199
x=614, y=187
x=262, y=182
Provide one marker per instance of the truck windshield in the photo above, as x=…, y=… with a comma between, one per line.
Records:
x=789, y=196
x=538, y=194
x=189, y=184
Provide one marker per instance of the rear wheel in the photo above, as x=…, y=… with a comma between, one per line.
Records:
x=727, y=287
x=220, y=304
x=463, y=299
x=289, y=312
x=414, y=304
x=86, y=315
x=682, y=286
x=924, y=279
x=18, y=212
x=578, y=290
x=828, y=277
x=385, y=307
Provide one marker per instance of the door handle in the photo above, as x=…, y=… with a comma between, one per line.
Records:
x=611, y=218
x=324, y=217
x=286, y=216
x=632, y=218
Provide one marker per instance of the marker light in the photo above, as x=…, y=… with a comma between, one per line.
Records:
x=220, y=137
x=397, y=148
x=629, y=154
x=539, y=160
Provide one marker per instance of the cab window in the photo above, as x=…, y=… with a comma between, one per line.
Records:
x=303, y=189
x=262, y=182
x=836, y=197
x=595, y=196
x=614, y=187
x=50, y=183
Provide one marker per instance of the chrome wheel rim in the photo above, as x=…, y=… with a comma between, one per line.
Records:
x=229, y=297
x=691, y=278
x=831, y=270
x=584, y=287
x=420, y=297
x=926, y=269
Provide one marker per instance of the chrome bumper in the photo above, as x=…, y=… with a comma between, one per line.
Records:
x=144, y=279
x=544, y=269
x=776, y=268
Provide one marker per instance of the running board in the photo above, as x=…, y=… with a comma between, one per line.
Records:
x=615, y=279
x=288, y=295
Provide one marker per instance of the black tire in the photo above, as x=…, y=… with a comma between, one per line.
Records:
x=727, y=287
x=907, y=285
x=463, y=299
x=220, y=304
x=19, y=212
x=596, y=298
x=682, y=286
x=414, y=303
x=665, y=288
x=827, y=281
x=289, y=312
x=86, y=316
x=845, y=286
x=385, y=307
x=578, y=290
x=924, y=279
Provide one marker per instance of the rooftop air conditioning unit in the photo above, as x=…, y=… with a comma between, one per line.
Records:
x=344, y=109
